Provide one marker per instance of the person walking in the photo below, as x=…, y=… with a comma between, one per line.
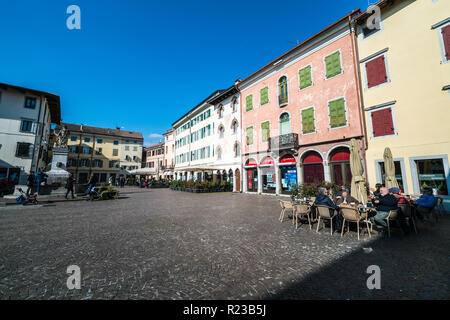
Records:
x=30, y=182
x=69, y=186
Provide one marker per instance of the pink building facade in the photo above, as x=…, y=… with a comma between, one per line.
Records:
x=299, y=113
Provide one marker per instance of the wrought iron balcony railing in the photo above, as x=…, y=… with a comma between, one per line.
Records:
x=283, y=142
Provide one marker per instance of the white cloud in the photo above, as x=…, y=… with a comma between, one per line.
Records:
x=155, y=136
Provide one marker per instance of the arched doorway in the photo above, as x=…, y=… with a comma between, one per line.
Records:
x=340, y=166
x=313, y=171
x=288, y=170
x=285, y=124
x=230, y=178
x=268, y=176
x=252, y=175
x=237, y=179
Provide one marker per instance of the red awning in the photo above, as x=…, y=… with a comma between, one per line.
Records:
x=288, y=159
x=267, y=162
x=251, y=163
x=312, y=158
x=341, y=156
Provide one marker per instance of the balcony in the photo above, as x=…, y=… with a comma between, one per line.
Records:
x=287, y=141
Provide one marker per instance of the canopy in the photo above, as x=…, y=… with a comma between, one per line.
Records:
x=358, y=188
x=144, y=171
x=389, y=169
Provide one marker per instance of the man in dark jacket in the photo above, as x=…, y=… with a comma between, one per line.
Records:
x=425, y=203
x=385, y=203
x=69, y=185
x=344, y=197
x=30, y=182
x=322, y=199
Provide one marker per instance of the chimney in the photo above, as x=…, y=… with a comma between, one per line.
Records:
x=236, y=82
x=118, y=128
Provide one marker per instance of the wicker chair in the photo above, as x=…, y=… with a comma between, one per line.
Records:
x=352, y=215
x=392, y=216
x=285, y=205
x=324, y=213
x=302, y=210
x=406, y=209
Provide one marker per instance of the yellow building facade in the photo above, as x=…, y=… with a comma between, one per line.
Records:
x=405, y=78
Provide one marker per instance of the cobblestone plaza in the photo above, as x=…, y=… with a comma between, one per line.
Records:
x=163, y=244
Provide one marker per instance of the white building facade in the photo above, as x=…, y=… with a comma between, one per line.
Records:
x=26, y=116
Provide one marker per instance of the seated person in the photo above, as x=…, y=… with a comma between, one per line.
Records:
x=401, y=217
x=343, y=188
x=322, y=199
x=346, y=198
x=376, y=191
x=385, y=203
x=425, y=203
x=401, y=199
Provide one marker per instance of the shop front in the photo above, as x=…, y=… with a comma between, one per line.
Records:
x=252, y=175
x=269, y=181
x=313, y=171
x=341, y=173
x=288, y=171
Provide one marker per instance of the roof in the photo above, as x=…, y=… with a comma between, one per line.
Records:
x=207, y=100
x=103, y=131
x=53, y=100
x=224, y=94
x=161, y=144
x=357, y=11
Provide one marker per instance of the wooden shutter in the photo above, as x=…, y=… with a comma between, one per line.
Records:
x=249, y=135
x=265, y=131
x=382, y=123
x=333, y=64
x=249, y=103
x=446, y=39
x=305, y=77
x=337, y=113
x=376, y=72
x=308, y=120
x=264, y=95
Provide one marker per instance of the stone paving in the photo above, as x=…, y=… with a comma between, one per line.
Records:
x=163, y=244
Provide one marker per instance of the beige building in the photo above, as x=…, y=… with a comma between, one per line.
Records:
x=104, y=152
x=169, y=154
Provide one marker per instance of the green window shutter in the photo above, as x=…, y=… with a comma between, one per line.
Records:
x=333, y=64
x=264, y=95
x=249, y=103
x=265, y=131
x=305, y=77
x=249, y=135
x=337, y=113
x=308, y=121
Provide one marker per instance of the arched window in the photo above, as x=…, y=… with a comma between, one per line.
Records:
x=339, y=162
x=221, y=131
x=234, y=126
x=283, y=91
x=219, y=153
x=237, y=149
x=234, y=104
x=285, y=124
x=220, y=111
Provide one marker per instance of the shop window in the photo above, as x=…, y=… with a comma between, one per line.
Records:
x=398, y=174
x=431, y=173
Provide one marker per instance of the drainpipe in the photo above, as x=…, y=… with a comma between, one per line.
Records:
x=35, y=137
x=359, y=91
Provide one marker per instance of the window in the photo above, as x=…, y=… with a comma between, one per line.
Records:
x=116, y=143
x=26, y=125
x=234, y=126
x=99, y=141
x=285, y=124
x=336, y=109
x=265, y=131
x=85, y=163
x=333, y=64
x=23, y=149
x=30, y=102
x=71, y=162
x=115, y=152
x=72, y=138
x=282, y=91
x=376, y=71
x=431, y=173
x=445, y=36
x=99, y=151
x=382, y=122
x=87, y=140
x=234, y=104
x=135, y=148
x=220, y=112
x=237, y=150
x=221, y=131
x=86, y=150
x=249, y=135
x=398, y=174
x=249, y=103
x=127, y=148
x=308, y=121
x=97, y=163
x=73, y=149
x=219, y=153
x=264, y=95
x=305, y=77
x=113, y=164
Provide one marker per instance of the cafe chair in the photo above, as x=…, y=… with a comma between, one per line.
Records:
x=391, y=217
x=324, y=213
x=439, y=208
x=285, y=206
x=300, y=211
x=352, y=215
x=406, y=209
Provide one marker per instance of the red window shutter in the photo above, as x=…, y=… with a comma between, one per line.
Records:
x=376, y=72
x=446, y=38
x=382, y=123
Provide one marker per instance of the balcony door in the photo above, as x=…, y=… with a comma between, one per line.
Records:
x=285, y=124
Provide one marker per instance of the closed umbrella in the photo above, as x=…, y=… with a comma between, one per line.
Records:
x=389, y=169
x=358, y=181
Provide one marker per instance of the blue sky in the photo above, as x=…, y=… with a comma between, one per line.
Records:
x=142, y=64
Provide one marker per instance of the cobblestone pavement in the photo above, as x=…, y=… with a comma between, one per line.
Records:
x=163, y=244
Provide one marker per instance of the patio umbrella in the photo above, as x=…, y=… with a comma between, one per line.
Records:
x=358, y=181
x=389, y=169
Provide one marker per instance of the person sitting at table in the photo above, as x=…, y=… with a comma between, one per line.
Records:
x=401, y=217
x=385, y=203
x=376, y=191
x=343, y=188
x=322, y=199
x=346, y=198
x=425, y=203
